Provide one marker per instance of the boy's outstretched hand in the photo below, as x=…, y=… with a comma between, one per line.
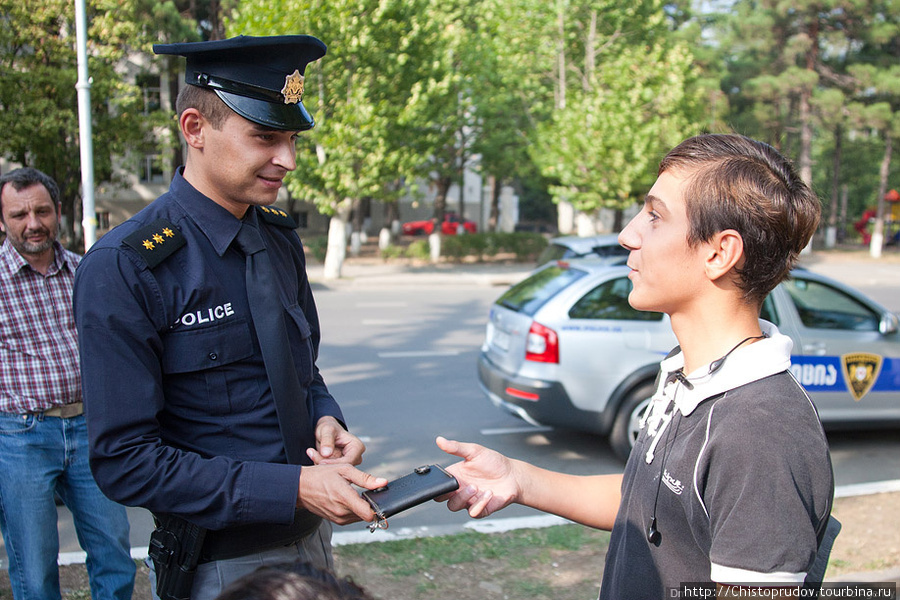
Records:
x=487, y=479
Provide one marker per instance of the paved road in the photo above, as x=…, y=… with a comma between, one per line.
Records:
x=396, y=335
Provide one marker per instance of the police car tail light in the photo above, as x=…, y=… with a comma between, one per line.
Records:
x=542, y=344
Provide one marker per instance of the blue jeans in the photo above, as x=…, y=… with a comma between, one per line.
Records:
x=39, y=456
x=213, y=577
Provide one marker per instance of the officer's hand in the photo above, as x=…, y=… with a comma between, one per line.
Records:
x=334, y=444
x=326, y=490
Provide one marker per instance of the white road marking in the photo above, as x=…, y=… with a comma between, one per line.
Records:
x=418, y=354
x=382, y=304
x=507, y=430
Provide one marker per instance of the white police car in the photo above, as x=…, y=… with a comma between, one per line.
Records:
x=605, y=246
x=564, y=348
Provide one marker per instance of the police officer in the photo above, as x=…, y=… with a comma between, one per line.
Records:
x=185, y=402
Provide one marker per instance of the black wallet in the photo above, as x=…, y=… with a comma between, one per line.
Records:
x=424, y=483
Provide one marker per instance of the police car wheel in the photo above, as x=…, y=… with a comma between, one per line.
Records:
x=626, y=426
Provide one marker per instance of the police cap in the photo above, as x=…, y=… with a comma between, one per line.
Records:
x=259, y=78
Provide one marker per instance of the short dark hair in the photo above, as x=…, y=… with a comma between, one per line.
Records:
x=26, y=177
x=739, y=183
x=206, y=101
x=292, y=581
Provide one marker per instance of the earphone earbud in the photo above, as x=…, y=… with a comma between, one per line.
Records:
x=653, y=534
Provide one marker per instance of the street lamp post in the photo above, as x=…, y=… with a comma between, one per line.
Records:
x=83, y=85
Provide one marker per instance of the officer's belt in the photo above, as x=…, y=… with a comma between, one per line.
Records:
x=242, y=540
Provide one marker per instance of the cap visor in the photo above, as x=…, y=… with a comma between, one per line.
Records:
x=287, y=117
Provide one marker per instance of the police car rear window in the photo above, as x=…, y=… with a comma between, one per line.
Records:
x=552, y=252
x=533, y=292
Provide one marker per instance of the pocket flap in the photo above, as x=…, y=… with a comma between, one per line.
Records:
x=192, y=350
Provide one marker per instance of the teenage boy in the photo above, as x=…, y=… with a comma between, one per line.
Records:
x=730, y=479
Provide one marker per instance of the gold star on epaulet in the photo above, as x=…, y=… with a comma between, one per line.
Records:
x=155, y=242
x=276, y=216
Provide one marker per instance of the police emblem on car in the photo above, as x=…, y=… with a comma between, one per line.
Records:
x=861, y=370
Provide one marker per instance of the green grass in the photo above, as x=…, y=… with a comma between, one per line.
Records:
x=524, y=564
x=555, y=563
x=517, y=548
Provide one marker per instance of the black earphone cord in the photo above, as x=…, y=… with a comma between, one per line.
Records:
x=653, y=534
x=716, y=364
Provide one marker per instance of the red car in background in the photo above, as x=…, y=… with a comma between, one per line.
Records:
x=450, y=226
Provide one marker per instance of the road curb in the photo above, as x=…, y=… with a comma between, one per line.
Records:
x=385, y=276
x=865, y=489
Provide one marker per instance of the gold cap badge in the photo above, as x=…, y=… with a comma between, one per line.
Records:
x=293, y=88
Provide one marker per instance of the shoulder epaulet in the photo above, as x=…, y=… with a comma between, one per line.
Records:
x=276, y=216
x=156, y=241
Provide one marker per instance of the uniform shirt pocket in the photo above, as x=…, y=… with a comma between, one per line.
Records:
x=303, y=349
x=192, y=350
x=212, y=370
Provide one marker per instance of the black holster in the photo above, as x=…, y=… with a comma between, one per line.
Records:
x=175, y=547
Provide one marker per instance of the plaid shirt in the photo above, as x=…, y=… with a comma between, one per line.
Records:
x=39, y=365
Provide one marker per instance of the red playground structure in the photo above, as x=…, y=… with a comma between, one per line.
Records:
x=891, y=217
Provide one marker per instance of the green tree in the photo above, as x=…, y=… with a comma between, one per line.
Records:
x=174, y=21
x=362, y=94
x=876, y=84
x=38, y=103
x=806, y=77
x=882, y=116
x=509, y=91
x=442, y=118
x=625, y=91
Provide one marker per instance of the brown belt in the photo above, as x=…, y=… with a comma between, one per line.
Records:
x=65, y=411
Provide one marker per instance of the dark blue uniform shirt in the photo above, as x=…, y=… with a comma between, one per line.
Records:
x=179, y=410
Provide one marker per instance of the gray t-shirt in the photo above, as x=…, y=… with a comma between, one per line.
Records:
x=738, y=481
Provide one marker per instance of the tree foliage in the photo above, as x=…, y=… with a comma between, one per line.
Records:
x=816, y=79
x=579, y=96
x=38, y=98
x=360, y=93
x=603, y=145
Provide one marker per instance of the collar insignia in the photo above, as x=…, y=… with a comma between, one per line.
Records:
x=276, y=216
x=293, y=88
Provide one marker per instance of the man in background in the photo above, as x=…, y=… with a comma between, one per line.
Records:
x=43, y=436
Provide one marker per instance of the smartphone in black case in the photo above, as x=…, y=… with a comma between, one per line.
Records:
x=424, y=483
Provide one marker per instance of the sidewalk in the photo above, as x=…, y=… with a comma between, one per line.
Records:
x=375, y=271
x=854, y=267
